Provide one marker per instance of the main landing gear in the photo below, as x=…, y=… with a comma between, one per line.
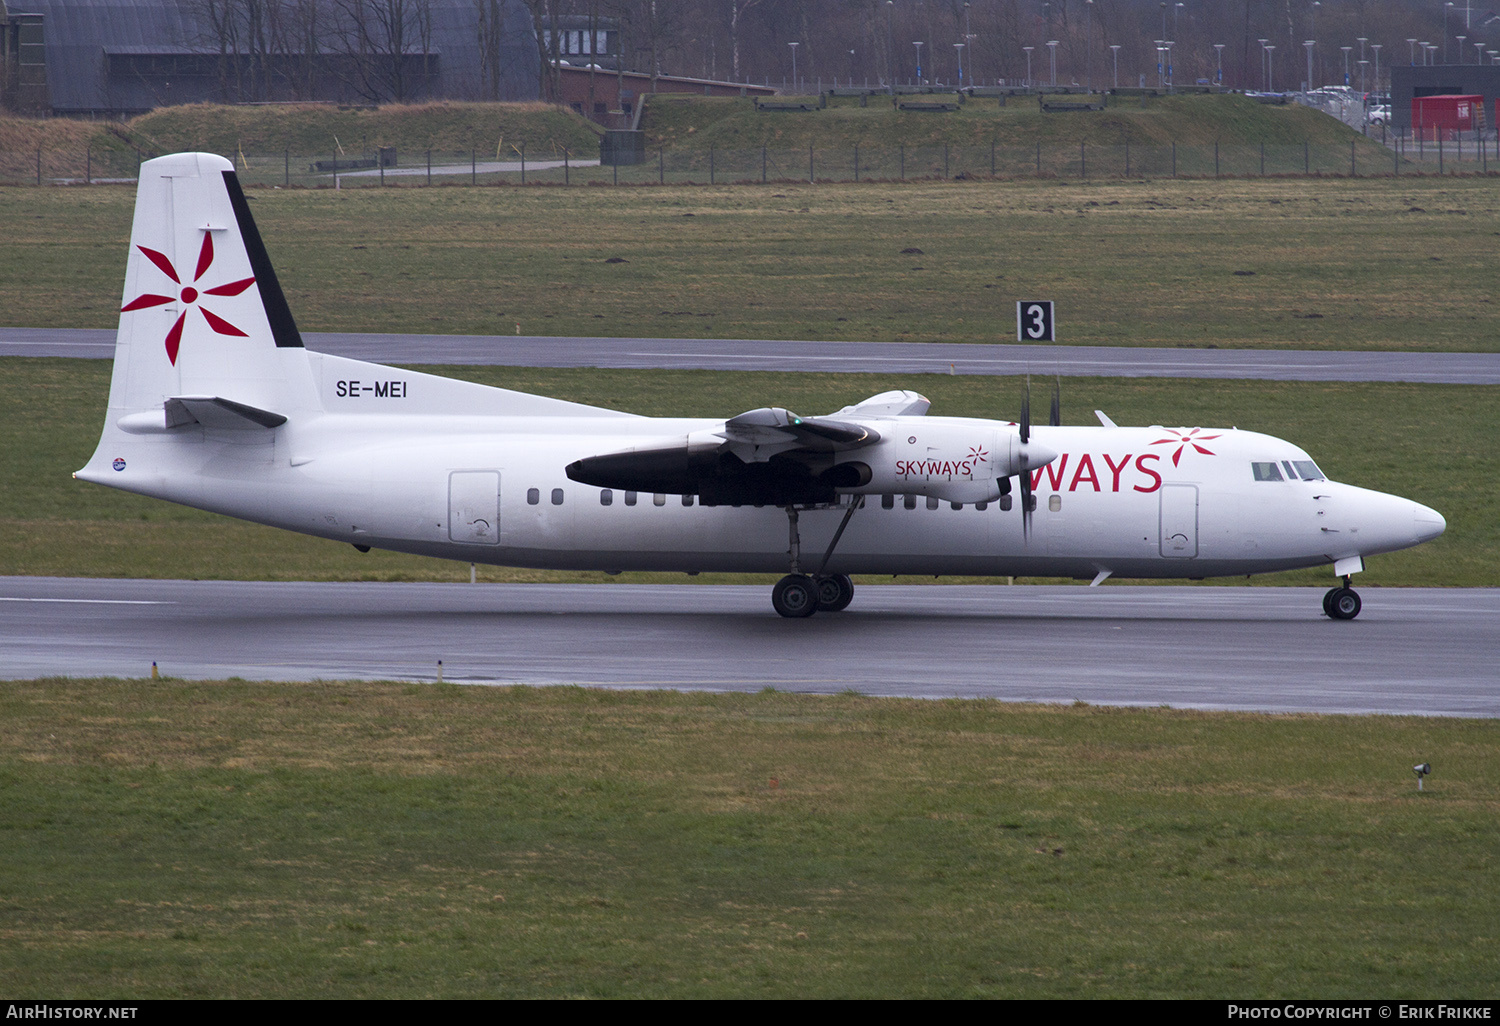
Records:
x=797, y=594
x=1342, y=603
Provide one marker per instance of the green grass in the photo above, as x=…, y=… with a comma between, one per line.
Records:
x=1439, y=444
x=172, y=839
x=687, y=122
x=1333, y=264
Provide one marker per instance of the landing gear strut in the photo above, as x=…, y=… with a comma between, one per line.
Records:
x=797, y=594
x=1342, y=603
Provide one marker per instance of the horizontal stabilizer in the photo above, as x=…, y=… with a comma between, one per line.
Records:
x=217, y=412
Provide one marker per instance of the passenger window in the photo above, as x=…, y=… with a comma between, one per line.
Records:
x=1005, y=503
x=887, y=502
x=1054, y=503
x=1309, y=470
x=932, y=502
x=533, y=496
x=909, y=501
x=956, y=505
x=606, y=497
x=630, y=498
x=687, y=500
x=981, y=505
x=1266, y=471
x=659, y=499
x=557, y=496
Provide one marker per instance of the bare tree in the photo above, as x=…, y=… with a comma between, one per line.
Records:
x=385, y=46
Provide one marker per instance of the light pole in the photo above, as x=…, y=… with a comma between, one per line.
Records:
x=1478, y=59
x=1309, y=44
x=1088, y=45
x=1161, y=65
x=890, y=45
x=1362, y=77
x=959, y=47
x=1028, y=50
x=1460, y=47
x=918, y=44
x=1171, y=86
x=1271, y=68
x=794, y=65
x=1114, y=54
x=1346, y=50
x=1376, y=47
x=1411, y=51
x=1263, y=43
x=1447, y=10
x=1219, y=64
x=1052, y=46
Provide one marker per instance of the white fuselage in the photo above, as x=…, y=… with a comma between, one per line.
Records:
x=492, y=489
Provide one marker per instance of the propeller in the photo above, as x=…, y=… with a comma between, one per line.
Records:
x=1034, y=455
x=1026, y=500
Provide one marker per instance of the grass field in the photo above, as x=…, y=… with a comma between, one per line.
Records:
x=1296, y=263
x=1436, y=443
x=172, y=839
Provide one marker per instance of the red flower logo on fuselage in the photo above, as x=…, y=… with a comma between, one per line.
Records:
x=1184, y=439
x=189, y=295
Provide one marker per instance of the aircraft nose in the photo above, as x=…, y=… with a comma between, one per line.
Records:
x=1429, y=522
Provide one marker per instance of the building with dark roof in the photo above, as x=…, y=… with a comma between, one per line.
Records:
x=122, y=57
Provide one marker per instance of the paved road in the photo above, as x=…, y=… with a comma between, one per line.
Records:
x=1420, y=651
x=881, y=357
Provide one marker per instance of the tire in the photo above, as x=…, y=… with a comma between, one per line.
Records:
x=795, y=596
x=1328, y=601
x=835, y=592
x=1344, y=604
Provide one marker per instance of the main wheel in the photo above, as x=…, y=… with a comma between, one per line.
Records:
x=1328, y=600
x=1344, y=604
x=835, y=592
x=795, y=596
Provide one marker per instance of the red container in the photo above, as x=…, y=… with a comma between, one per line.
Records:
x=1448, y=115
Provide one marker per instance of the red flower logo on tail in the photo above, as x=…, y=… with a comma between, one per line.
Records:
x=189, y=295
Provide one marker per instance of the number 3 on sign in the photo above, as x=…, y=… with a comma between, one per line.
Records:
x=1034, y=321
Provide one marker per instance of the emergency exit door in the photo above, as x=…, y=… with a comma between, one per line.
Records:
x=474, y=507
x=1179, y=521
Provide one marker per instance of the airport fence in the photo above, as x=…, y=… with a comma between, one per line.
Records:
x=1076, y=161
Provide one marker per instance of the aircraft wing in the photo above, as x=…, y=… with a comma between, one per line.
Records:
x=768, y=456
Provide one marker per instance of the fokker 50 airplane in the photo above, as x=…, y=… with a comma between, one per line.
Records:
x=215, y=404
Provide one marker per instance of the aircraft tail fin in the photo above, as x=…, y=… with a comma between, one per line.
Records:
x=202, y=312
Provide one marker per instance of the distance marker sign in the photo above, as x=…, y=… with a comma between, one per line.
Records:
x=1034, y=321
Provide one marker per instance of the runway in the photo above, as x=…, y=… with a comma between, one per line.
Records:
x=836, y=357
x=1412, y=651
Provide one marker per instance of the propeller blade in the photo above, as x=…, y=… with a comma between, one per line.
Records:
x=1056, y=419
x=1026, y=504
x=1026, y=413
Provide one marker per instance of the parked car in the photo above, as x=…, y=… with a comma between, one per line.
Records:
x=1380, y=114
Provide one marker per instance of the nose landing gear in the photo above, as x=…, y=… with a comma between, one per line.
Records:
x=1342, y=603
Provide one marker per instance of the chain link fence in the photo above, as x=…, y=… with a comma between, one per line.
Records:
x=1077, y=161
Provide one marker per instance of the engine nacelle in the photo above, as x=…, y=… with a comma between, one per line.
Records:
x=952, y=458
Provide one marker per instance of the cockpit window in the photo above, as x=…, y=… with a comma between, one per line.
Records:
x=1309, y=470
x=1266, y=471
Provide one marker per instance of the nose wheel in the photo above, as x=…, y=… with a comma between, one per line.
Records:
x=1342, y=603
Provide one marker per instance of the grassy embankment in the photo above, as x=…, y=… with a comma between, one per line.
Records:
x=180, y=839
x=453, y=131
x=1436, y=443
